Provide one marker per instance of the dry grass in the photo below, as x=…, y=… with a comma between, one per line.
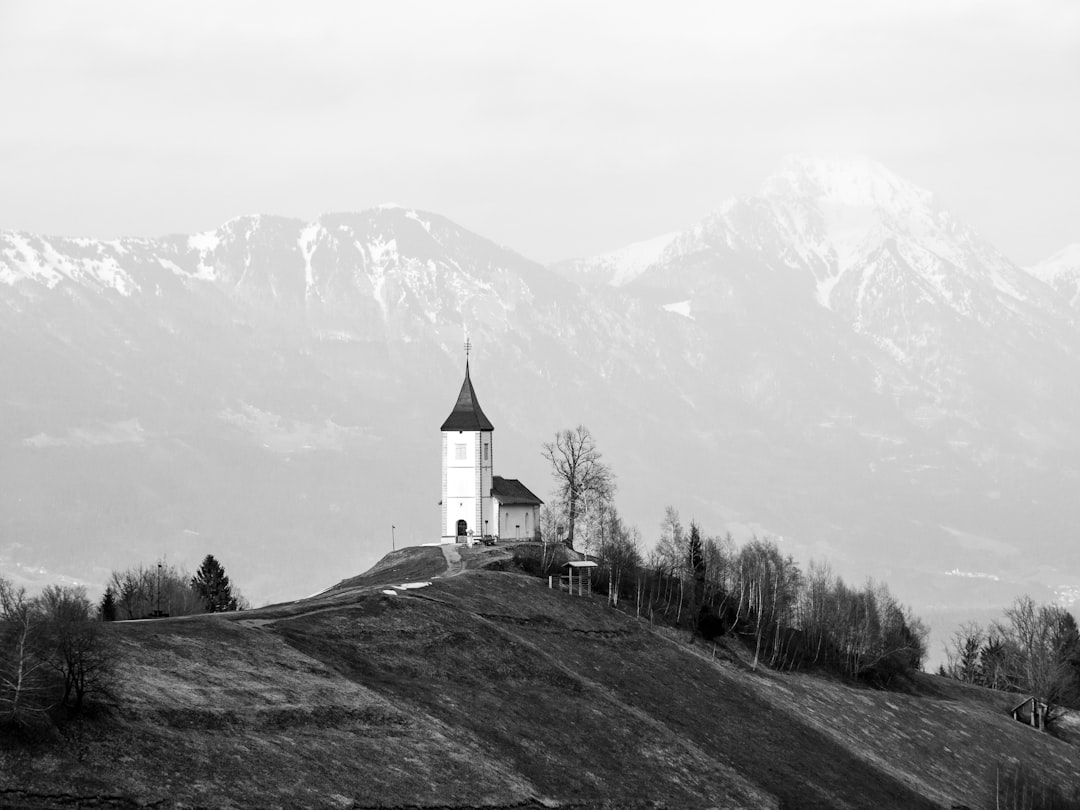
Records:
x=488, y=689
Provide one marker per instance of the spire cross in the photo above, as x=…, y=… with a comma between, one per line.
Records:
x=468, y=348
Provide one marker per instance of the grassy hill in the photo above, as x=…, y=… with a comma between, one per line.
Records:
x=488, y=689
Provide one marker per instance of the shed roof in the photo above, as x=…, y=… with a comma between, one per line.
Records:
x=510, y=491
x=1025, y=702
x=467, y=414
x=583, y=564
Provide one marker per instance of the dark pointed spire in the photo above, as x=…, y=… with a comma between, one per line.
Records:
x=467, y=414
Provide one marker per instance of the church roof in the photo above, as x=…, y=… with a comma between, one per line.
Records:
x=511, y=491
x=467, y=414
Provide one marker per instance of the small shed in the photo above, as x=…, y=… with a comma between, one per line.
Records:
x=1031, y=712
x=579, y=572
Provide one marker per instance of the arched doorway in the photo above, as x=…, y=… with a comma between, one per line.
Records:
x=462, y=528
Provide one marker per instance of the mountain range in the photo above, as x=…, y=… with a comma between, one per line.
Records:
x=837, y=362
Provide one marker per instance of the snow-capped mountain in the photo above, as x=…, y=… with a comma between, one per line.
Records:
x=885, y=259
x=1062, y=272
x=618, y=267
x=836, y=359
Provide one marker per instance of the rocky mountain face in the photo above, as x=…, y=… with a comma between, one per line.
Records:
x=1062, y=272
x=837, y=361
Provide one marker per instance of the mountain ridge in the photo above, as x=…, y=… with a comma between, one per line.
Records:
x=270, y=381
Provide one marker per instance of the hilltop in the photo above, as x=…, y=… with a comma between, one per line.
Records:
x=485, y=688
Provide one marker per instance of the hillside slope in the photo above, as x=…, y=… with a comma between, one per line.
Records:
x=488, y=689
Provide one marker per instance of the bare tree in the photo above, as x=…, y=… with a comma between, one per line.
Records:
x=77, y=649
x=1039, y=644
x=155, y=590
x=26, y=686
x=579, y=473
x=618, y=554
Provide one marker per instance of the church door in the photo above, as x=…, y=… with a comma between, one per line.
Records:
x=462, y=528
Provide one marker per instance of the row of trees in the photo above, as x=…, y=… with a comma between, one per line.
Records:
x=1034, y=649
x=145, y=592
x=790, y=617
x=52, y=654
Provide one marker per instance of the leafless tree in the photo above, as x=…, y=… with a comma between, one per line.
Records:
x=1039, y=646
x=579, y=473
x=77, y=648
x=618, y=554
x=145, y=591
x=26, y=687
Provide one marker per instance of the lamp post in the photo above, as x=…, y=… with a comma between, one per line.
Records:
x=393, y=540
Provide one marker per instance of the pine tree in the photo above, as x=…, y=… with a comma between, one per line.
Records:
x=107, y=609
x=213, y=586
x=695, y=563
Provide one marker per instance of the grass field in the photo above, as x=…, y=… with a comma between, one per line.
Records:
x=488, y=689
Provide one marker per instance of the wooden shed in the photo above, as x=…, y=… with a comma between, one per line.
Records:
x=578, y=572
x=1031, y=712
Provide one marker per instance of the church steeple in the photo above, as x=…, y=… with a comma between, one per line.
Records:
x=467, y=452
x=467, y=414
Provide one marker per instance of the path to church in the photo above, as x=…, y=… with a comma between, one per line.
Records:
x=454, y=563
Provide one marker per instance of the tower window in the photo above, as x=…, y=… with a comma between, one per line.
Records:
x=459, y=452
x=485, y=451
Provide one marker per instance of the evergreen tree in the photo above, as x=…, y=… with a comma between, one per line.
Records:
x=696, y=553
x=107, y=608
x=695, y=563
x=213, y=586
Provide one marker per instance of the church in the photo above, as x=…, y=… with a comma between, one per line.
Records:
x=475, y=502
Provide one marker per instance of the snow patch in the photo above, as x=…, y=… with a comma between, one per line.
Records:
x=622, y=266
x=23, y=262
x=205, y=242
x=423, y=222
x=1062, y=272
x=679, y=308
x=308, y=240
x=382, y=254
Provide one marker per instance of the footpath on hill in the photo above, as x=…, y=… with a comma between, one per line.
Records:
x=455, y=566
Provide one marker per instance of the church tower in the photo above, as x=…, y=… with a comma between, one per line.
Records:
x=466, y=468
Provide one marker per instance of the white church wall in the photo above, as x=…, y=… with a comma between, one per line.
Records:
x=463, y=508
x=516, y=522
x=460, y=495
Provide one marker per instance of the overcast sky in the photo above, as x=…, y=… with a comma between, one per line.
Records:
x=559, y=129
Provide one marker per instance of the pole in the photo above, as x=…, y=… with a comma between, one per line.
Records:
x=393, y=540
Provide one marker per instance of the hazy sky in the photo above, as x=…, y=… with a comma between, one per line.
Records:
x=558, y=129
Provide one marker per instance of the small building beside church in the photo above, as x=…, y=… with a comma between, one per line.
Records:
x=475, y=502
x=515, y=507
